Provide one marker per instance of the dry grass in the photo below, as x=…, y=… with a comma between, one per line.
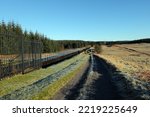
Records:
x=143, y=47
x=131, y=63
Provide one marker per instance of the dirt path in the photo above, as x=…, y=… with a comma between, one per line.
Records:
x=95, y=85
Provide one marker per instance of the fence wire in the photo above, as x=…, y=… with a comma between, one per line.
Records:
x=18, y=55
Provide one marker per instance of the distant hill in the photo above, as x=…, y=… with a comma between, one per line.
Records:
x=145, y=40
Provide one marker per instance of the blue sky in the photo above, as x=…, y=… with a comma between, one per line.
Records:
x=92, y=20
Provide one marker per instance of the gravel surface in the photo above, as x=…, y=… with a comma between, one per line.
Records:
x=103, y=81
x=96, y=84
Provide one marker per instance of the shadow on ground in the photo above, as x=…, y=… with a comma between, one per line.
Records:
x=102, y=81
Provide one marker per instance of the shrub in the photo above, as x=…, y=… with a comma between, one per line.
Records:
x=98, y=48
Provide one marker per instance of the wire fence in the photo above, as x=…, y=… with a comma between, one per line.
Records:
x=18, y=55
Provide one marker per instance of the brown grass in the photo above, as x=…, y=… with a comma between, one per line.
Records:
x=131, y=63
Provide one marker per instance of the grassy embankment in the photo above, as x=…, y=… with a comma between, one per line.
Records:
x=16, y=82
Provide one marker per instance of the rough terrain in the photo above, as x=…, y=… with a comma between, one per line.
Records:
x=95, y=84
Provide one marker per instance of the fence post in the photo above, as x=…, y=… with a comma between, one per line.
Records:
x=0, y=69
x=22, y=54
x=41, y=49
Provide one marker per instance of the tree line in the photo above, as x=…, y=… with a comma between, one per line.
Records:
x=13, y=30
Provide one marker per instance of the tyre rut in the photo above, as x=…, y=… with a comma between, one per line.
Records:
x=96, y=85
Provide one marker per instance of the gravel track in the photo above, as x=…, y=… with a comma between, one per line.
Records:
x=95, y=85
x=103, y=81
